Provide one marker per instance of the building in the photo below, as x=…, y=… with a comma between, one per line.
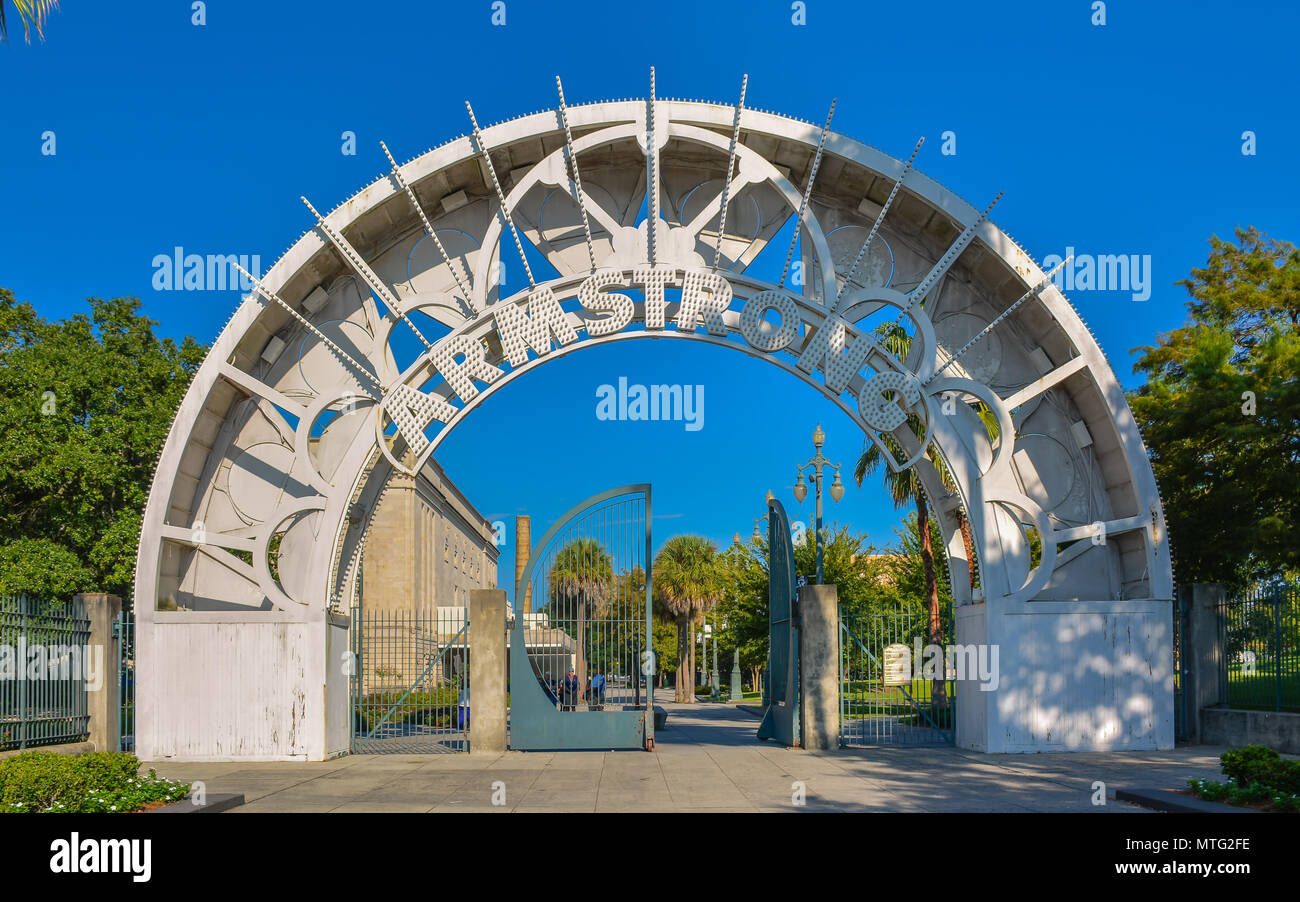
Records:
x=426, y=547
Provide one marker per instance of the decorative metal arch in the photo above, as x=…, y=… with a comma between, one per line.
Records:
x=972, y=301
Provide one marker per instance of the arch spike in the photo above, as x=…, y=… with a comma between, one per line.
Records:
x=268, y=294
x=428, y=227
x=361, y=268
x=575, y=180
x=917, y=294
x=731, y=166
x=875, y=227
x=1033, y=292
x=501, y=195
x=652, y=173
x=807, y=193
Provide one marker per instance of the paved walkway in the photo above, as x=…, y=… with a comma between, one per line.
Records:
x=707, y=760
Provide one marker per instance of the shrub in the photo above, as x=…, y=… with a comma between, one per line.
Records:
x=1263, y=765
x=97, y=782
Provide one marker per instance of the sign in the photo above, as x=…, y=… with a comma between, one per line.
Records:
x=898, y=665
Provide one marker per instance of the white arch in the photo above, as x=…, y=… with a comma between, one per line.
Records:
x=242, y=392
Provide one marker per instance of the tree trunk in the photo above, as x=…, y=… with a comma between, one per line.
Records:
x=969, y=541
x=683, y=659
x=938, y=691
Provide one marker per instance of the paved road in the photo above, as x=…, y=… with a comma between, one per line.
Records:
x=707, y=760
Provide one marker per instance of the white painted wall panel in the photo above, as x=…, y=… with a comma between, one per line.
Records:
x=230, y=690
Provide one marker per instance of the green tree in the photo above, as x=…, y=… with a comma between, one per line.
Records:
x=33, y=14
x=665, y=649
x=850, y=563
x=687, y=582
x=87, y=404
x=1220, y=412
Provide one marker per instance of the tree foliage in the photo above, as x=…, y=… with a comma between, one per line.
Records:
x=1220, y=413
x=688, y=581
x=87, y=404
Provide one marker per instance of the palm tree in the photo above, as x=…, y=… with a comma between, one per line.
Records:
x=687, y=582
x=582, y=580
x=32, y=13
x=905, y=488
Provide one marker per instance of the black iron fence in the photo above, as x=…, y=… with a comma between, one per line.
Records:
x=46, y=668
x=124, y=632
x=1259, y=632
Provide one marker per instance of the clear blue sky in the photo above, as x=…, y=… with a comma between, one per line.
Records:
x=1117, y=139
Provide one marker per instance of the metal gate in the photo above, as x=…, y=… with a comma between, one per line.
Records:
x=893, y=689
x=43, y=698
x=410, y=681
x=781, y=716
x=581, y=673
x=124, y=632
x=1182, y=599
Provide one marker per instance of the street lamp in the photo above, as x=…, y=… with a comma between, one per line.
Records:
x=817, y=464
x=713, y=674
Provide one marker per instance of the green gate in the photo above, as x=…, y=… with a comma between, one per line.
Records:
x=581, y=670
x=781, y=716
x=887, y=696
x=124, y=632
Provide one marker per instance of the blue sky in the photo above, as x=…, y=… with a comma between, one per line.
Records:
x=1124, y=138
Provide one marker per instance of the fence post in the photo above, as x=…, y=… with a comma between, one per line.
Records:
x=1203, y=647
x=487, y=670
x=103, y=697
x=819, y=666
x=1277, y=648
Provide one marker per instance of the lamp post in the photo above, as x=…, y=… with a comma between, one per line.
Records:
x=817, y=464
x=713, y=674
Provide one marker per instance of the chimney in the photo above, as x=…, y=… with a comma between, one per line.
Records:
x=523, y=545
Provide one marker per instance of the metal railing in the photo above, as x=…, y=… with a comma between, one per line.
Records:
x=410, y=681
x=43, y=673
x=124, y=632
x=1259, y=632
x=1181, y=669
x=885, y=695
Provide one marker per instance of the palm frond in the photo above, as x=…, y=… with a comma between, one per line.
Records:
x=32, y=13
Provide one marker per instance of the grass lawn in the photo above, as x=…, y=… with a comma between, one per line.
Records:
x=1258, y=690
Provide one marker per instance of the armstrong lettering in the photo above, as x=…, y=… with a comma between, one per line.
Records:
x=536, y=324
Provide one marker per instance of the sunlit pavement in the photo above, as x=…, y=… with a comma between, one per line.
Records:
x=708, y=759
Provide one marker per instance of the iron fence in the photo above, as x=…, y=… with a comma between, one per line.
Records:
x=45, y=668
x=1182, y=600
x=1259, y=632
x=124, y=632
x=887, y=697
x=410, y=681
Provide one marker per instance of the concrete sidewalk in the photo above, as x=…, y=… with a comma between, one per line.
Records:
x=707, y=760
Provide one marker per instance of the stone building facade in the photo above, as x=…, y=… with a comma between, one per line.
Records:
x=427, y=546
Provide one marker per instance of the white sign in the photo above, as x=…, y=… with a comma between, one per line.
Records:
x=898, y=665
